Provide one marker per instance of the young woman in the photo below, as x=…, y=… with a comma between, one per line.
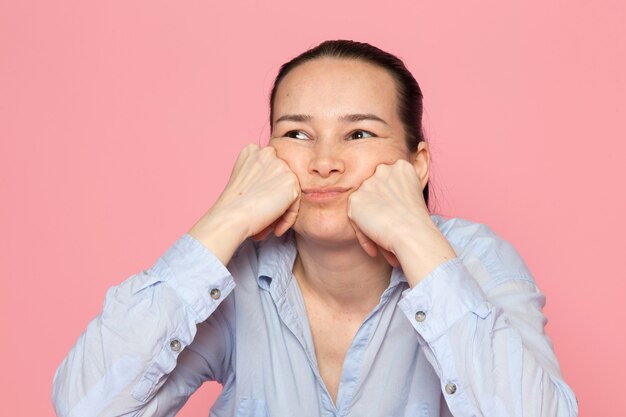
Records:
x=319, y=284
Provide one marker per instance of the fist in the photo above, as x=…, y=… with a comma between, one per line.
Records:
x=262, y=192
x=262, y=195
x=384, y=206
x=389, y=213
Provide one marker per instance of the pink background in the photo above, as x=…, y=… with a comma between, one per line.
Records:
x=119, y=122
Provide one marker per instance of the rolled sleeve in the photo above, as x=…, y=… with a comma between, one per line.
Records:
x=201, y=282
x=196, y=274
x=128, y=351
x=442, y=298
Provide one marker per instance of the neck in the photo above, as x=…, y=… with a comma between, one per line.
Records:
x=342, y=276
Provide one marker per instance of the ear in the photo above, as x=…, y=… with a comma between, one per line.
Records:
x=421, y=163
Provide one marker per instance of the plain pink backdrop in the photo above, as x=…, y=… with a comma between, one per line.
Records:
x=119, y=122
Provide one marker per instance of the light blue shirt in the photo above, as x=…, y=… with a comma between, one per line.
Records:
x=467, y=341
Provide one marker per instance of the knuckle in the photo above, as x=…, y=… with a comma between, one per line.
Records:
x=381, y=168
x=251, y=147
x=248, y=151
x=290, y=181
x=402, y=163
x=367, y=182
x=406, y=165
x=268, y=150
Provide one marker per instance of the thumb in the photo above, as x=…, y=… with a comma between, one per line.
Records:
x=288, y=218
x=390, y=257
x=263, y=233
x=366, y=243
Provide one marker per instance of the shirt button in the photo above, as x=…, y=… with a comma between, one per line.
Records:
x=420, y=316
x=215, y=294
x=450, y=388
x=175, y=345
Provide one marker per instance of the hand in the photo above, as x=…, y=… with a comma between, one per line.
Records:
x=389, y=214
x=381, y=206
x=264, y=190
x=262, y=195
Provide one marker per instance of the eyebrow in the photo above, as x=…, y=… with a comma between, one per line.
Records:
x=346, y=117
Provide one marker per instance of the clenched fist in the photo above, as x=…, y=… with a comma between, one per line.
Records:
x=389, y=213
x=262, y=195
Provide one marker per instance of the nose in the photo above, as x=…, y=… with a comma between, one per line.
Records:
x=327, y=159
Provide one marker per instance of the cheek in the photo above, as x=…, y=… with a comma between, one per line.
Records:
x=366, y=162
x=291, y=153
x=282, y=151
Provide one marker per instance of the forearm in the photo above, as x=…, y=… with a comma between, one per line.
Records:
x=127, y=352
x=220, y=232
x=421, y=248
x=492, y=359
x=259, y=195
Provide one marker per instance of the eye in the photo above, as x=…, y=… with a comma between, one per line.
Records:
x=361, y=134
x=296, y=134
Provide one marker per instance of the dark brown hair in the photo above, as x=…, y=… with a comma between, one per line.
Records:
x=409, y=94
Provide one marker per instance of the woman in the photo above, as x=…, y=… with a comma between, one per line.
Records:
x=350, y=299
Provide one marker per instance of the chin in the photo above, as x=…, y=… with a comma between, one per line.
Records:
x=325, y=230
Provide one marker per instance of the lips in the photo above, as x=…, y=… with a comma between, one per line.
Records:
x=323, y=194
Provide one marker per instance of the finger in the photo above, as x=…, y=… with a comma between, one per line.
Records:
x=268, y=151
x=263, y=233
x=245, y=153
x=366, y=243
x=288, y=219
x=390, y=257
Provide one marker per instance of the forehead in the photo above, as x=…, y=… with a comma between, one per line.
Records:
x=331, y=87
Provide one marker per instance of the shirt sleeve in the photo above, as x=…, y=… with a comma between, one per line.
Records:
x=479, y=318
x=137, y=357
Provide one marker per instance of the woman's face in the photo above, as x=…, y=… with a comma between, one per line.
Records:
x=335, y=120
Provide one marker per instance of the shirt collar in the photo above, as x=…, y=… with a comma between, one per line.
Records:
x=276, y=259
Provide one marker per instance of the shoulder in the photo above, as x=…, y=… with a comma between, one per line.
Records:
x=489, y=257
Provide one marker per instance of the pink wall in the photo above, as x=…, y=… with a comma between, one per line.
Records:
x=119, y=121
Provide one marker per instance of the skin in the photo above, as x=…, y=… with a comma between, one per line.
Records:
x=349, y=188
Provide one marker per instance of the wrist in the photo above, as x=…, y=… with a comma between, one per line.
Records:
x=221, y=233
x=421, y=249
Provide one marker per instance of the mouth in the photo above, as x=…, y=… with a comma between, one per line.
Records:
x=324, y=194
